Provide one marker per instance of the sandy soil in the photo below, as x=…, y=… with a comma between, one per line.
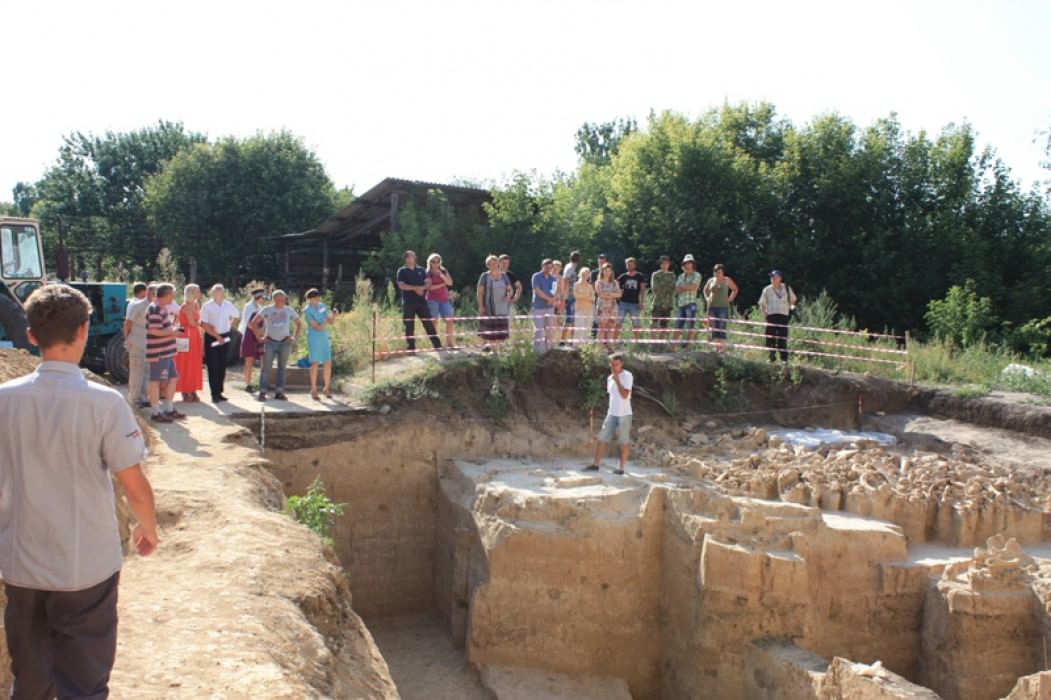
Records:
x=995, y=445
x=423, y=661
x=239, y=601
x=232, y=602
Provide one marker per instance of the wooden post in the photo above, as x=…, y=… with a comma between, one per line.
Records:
x=288, y=264
x=374, y=346
x=910, y=370
x=193, y=271
x=324, y=264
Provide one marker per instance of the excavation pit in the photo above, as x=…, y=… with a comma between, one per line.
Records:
x=726, y=563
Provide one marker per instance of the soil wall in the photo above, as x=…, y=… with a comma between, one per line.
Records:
x=386, y=468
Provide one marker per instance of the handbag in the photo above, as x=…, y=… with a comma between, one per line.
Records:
x=182, y=345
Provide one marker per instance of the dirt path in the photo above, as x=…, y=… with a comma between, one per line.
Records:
x=999, y=446
x=239, y=601
x=423, y=661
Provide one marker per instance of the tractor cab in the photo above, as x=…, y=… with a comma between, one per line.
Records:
x=21, y=271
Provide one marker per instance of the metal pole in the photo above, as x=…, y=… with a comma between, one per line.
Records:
x=374, y=346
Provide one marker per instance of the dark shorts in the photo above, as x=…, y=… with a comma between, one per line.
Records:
x=718, y=318
x=660, y=315
x=163, y=370
x=686, y=317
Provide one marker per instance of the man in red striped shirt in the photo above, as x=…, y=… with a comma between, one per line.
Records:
x=160, y=356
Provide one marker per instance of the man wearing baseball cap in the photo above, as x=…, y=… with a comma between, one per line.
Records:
x=662, y=285
x=776, y=302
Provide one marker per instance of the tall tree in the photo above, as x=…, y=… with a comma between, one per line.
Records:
x=598, y=143
x=226, y=203
x=97, y=187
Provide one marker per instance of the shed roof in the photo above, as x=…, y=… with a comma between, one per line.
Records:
x=359, y=220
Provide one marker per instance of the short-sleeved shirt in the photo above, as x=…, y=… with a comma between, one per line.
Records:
x=136, y=314
x=687, y=298
x=569, y=272
x=414, y=277
x=777, y=301
x=278, y=321
x=218, y=315
x=246, y=315
x=545, y=283
x=662, y=286
x=440, y=293
x=631, y=285
x=159, y=318
x=619, y=406
x=63, y=438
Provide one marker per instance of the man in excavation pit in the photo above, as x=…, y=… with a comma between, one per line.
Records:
x=618, y=418
x=60, y=550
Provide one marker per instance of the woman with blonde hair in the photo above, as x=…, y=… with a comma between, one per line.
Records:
x=495, y=293
x=607, y=292
x=583, y=306
x=190, y=357
x=438, y=296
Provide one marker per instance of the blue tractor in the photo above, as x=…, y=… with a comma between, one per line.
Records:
x=22, y=271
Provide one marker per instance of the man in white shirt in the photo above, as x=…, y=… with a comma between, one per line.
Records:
x=618, y=419
x=217, y=316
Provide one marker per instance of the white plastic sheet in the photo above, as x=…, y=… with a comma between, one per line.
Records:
x=813, y=439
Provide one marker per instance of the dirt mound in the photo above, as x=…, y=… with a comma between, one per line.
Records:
x=16, y=363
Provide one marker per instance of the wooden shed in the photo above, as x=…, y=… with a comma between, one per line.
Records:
x=329, y=256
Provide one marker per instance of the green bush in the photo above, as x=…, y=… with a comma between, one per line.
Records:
x=962, y=318
x=1032, y=338
x=315, y=510
x=518, y=358
x=594, y=362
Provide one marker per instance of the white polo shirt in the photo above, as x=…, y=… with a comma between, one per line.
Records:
x=219, y=315
x=63, y=437
x=619, y=406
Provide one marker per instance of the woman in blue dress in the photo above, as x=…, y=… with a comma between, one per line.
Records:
x=318, y=320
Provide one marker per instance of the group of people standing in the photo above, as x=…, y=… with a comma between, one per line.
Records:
x=573, y=303
x=169, y=344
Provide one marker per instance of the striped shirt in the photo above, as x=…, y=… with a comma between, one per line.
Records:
x=158, y=318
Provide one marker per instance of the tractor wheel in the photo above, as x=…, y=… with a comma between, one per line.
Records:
x=117, y=359
x=13, y=319
x=233, y=352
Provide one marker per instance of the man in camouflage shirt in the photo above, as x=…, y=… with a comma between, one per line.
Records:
x=662, y=286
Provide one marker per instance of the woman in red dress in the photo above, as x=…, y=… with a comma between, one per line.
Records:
x=188, y=362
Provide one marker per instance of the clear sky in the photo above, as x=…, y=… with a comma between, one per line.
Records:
x=441, y=89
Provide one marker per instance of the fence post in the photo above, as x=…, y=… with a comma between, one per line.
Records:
x=374, y=346
x=909, y=370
